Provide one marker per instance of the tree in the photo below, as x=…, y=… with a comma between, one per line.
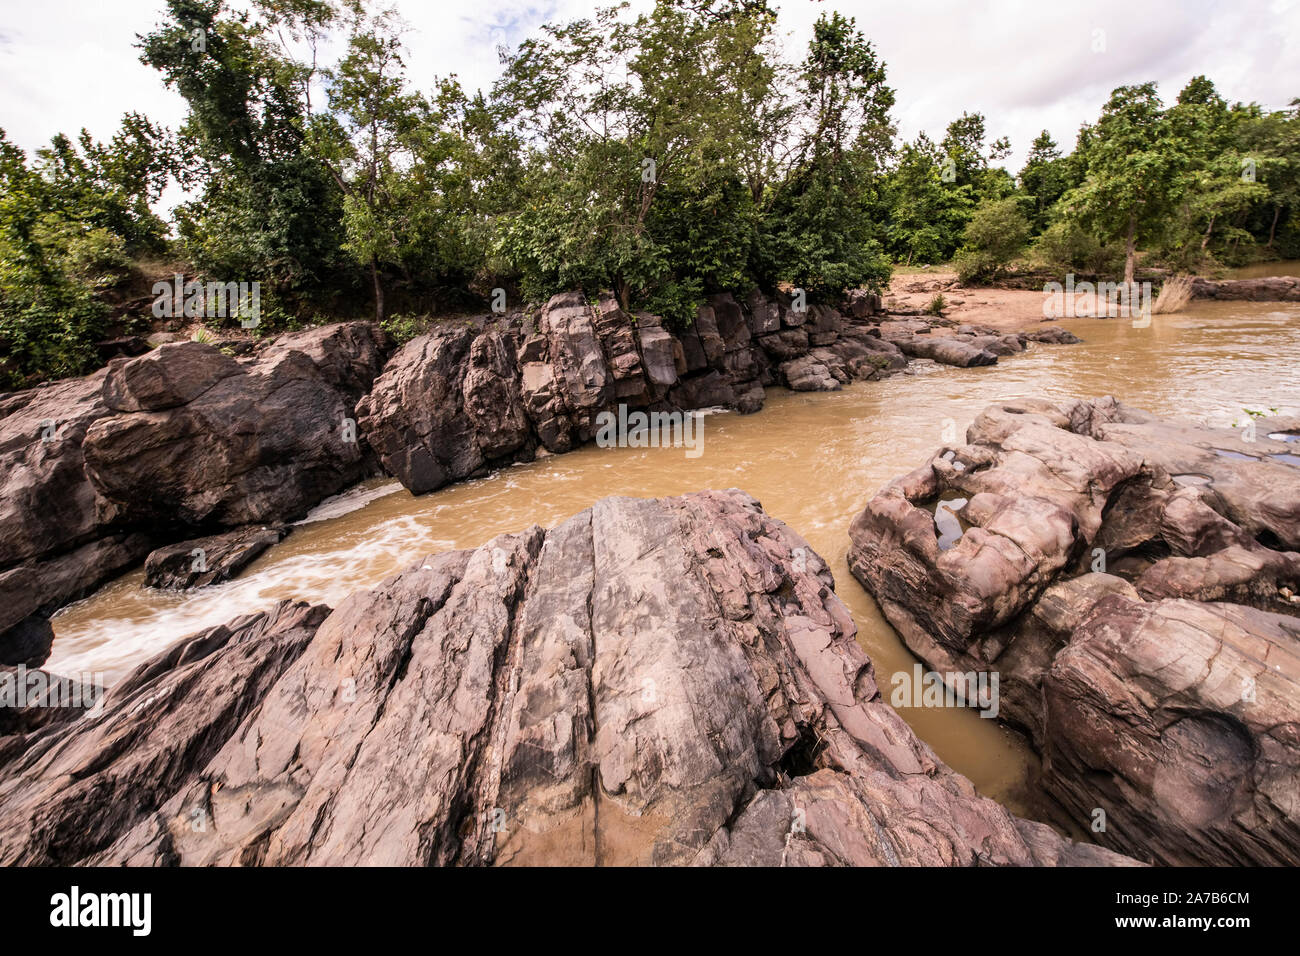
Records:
x=964, y=149
x=49, y=320
x=994, y=237
x=619, y=113
x=268, y=209
x=1271, y=142
x=1045, y=178
x=1134, y=172
x=367, y=141
x=927, y=211
x=818, y=231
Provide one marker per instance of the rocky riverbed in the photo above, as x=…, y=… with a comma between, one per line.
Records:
x=668, y=681
x=193, y=460
x=1135, y=584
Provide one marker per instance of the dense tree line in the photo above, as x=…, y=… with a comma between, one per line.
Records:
x=665, y=156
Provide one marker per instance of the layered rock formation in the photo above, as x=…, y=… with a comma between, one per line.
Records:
x=1265, y=289
x=1134, y=584
x=652, y=681
x=463, y=399
x=210, y=560
x=96, y=472
x=187, y=441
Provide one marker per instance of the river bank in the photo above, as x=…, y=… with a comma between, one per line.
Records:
x=812, y=459
x=188, y=453
x=1016, y=309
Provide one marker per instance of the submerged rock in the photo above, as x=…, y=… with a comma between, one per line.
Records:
x=210, y=560
x=1144, y=629
x=663, y=681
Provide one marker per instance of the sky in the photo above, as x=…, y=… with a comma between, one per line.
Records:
x=1027, y=65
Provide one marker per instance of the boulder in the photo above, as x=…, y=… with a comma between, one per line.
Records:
x=349, y=355
x=1052, y=335
x=415, y=417
x=667, y=681
x=812, y=374
x=1265, y=289
x=264, y=442
x=168, y=377
x=944, y=349
x=1144, y=628
x=210, y=560
x=785, y=345
x=46, y=503
x=862, y=304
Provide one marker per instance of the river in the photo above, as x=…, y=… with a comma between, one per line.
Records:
x=812, y=459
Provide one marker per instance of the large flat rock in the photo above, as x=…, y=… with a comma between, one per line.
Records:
x=667, y=681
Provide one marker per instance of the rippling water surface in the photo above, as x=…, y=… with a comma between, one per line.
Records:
x=811, y=459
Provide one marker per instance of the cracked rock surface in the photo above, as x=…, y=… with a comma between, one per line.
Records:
x=667, y=681
x=1133, y=582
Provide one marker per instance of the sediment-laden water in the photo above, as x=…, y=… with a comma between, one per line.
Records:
x=812, y=459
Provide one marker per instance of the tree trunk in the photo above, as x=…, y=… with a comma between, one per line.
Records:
x=1205, y=240
x=1272, y=230
x=1130, y=249
x=379, y=289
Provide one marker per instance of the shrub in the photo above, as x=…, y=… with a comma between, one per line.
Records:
x=994, y=237
x=1065, y=247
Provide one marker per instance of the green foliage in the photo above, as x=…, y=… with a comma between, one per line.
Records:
x=818, y=232
x=403, y=328
x=1066, y=247
x=1045, y=178
x=927, y=212
x=666, y=152
x=68, y=224
x=1136, y=163
x=268, y=211
x=936, y=305
x=994, y=238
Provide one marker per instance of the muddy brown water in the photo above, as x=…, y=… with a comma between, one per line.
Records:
x=1262, y=270
x=812, y=459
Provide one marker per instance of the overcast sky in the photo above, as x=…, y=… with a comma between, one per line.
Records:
x=1026, y=64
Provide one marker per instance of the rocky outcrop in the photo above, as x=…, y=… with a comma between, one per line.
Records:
x=46, y=503
x=1266, y=289
x=96, y=472
x=188, y=440
x=31, y=591
x=1133, y=583
x=262, y=441
x=31, y=698
x=463, y=399
x=210, y=560
x=663, y=681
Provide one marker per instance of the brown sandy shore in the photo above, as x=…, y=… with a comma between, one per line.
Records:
x=1013, y=310
x=1009, y=310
